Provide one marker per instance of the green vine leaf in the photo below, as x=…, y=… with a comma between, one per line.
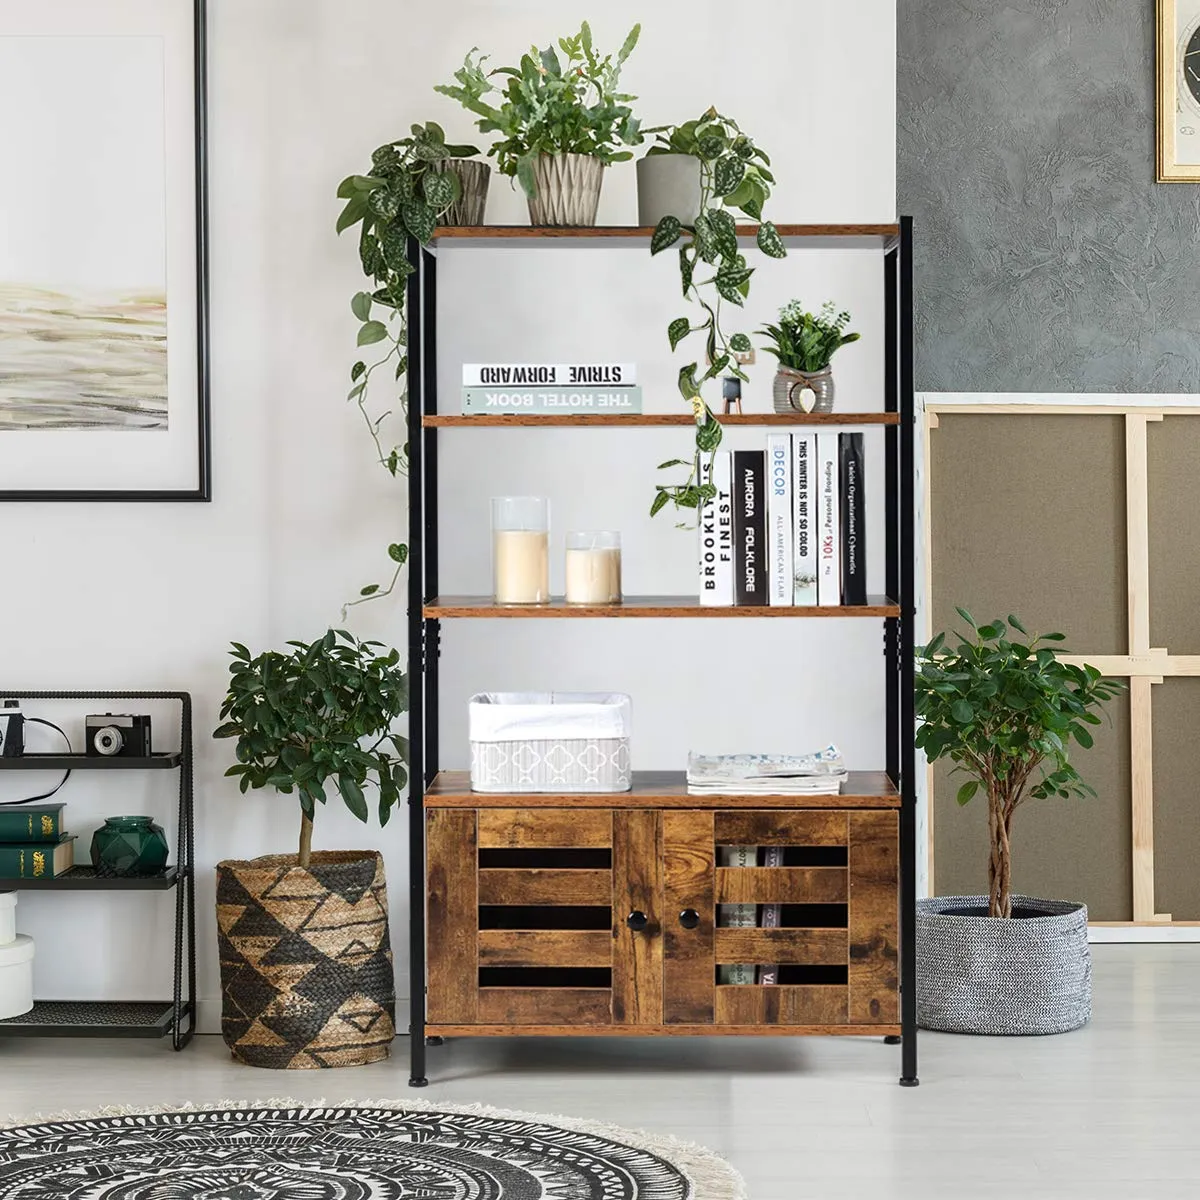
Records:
x=369, y=590
x=357, y=371
x=666, y=233
x=398, y=552
x=439, y=189
x=689, y=388
x=372, y=332
x=723, y=229
x=727, y=174
x=678, y=330
x=419, y=219
x=769, y=241
x=686, y=267
x=729, y=283
x=740, y=344
x=361, y=307
x=710, y=434
x=672, y=462
x=384, y=203
x=660, y=502
x=706, y=242
x=355, y=210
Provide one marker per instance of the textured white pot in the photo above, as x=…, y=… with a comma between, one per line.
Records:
x=16, y=978
x=668, y=186
x=8, y=917
x=567, y=190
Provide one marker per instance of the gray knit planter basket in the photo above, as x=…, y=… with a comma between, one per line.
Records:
x=1027, y=975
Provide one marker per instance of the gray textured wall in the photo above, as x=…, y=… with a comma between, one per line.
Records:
x=1047, y=257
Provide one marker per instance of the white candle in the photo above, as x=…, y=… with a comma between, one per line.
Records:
x=522, y=566
x=593, y=568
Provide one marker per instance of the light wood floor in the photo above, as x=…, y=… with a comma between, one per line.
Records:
x=1111, y=1111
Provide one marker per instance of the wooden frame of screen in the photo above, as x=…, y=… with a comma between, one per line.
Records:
x=1144, y=665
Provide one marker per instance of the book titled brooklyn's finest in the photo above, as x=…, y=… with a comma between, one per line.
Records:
x=750, y=555
x=780, y=542
x=829, y=520
x=716, y=533
x=41, y=823
x=804, y=518
x=549, y=401
x=568, y=375
x=854, y=534
x=37, y=860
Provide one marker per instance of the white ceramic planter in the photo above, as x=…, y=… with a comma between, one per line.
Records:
x=668, y=186
x=16, y=978
x=8, y=917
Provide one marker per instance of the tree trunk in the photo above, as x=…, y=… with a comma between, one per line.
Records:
x=306, y=827
x=1000, y=861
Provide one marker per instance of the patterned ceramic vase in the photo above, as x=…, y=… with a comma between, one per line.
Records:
x=803, y=391
x=306, y=960
x=567, y=189
x=474, y=178
x=129, y=846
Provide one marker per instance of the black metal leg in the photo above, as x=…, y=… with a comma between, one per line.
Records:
x=892, y=1039
x=435, y=1041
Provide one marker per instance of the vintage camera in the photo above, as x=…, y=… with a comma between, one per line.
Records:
x=12, y=730
x=117, y=736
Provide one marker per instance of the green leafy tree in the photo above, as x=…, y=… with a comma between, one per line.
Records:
x=319, y=715
x=552, y=105
x=1004, y=711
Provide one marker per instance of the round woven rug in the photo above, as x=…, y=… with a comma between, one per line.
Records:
x=373, y=1151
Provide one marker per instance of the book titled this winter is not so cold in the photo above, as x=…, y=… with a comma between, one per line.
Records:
x=786, y=526
x=547, y=389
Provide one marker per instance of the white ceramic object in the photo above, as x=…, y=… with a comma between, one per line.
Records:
x=8, y=918
x=16, y=978
x=668, y=186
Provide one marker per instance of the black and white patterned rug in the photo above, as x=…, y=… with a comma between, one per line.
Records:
x=377, y=1151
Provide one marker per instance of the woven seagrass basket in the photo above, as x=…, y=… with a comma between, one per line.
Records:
x=1031, y=974
x=306, y=960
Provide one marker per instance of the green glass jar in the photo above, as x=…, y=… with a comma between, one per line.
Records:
x=129, y=846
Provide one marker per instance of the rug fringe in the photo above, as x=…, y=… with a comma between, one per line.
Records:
x=711, y=1176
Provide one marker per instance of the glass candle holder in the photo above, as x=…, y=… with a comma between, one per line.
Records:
x=521, y=549
x=594, y=568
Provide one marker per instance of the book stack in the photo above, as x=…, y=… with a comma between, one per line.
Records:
x=786, y=526
x=550, y=389
x=34, y=843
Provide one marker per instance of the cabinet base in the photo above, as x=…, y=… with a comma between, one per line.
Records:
x=445, y=1031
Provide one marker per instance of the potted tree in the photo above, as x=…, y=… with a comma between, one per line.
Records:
x=306, y=960
x=1004, y=711
x=805, y=344
x=562, y=121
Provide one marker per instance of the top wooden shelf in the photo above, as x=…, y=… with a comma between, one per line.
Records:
x=634, y=233
x=555, y=420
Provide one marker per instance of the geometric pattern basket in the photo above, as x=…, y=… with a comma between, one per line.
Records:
x=551, y=765
x=306, y=960
x=980, y=974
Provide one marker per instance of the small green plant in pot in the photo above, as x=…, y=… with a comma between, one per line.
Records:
x=805, y=344
x=561, y=121
x=1003, y=707
x=306, y=960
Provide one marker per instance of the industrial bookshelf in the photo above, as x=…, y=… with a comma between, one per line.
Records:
x=595, y=915
x=123, y=1018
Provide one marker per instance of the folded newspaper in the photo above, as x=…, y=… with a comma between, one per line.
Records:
x=818, y=774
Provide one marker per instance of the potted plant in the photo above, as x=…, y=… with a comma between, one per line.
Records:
x=1004, y=711
x=731, y=177
x=306, y=960
x=805, y=344
x=671, y=177
x=562, y=121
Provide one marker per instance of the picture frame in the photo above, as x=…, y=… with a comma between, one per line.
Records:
x=1178, y=124
x=105, y=392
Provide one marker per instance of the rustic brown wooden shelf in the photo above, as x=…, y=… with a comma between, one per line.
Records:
x=565, y=420
x=662, y=789
x=645, y=232
x=875, y=1031
x=484, y=607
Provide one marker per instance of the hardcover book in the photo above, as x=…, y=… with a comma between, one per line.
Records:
x=567, y=375
x=37, y=860
x=39, y=823
x=551, y=401
x=829, y=513
x=779, y=519
x=716, y=533
x=854, y=533
x=749, y=527
x=804, y=509
x=737, y=916
x=770, y=915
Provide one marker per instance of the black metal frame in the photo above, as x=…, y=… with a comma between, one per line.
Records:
x=183, y=1003
x=202, y=492
x=424, y=636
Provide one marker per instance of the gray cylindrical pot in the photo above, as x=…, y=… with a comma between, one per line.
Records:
x=668, y=186
x=803, y=391
x=567, y=189
x=471, y=205
x=1031, y=974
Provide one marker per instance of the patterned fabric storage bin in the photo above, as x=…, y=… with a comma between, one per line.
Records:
x=550, y=742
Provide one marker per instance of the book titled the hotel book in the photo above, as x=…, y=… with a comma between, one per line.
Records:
x=549, y=389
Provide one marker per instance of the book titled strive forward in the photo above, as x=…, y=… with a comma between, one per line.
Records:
x=541, y=389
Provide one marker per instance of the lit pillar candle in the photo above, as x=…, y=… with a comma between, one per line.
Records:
x=593, y=568
x=521, y=549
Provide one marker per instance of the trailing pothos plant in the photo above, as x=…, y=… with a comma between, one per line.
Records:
x=734, y=174
x=407, y=191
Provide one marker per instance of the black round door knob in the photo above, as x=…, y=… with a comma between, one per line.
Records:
x=637, y=921
x=689, y=918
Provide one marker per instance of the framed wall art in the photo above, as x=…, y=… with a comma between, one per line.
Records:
x=104, y=381
x=1179, y=91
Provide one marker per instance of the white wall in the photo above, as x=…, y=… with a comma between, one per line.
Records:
x=149, y=596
